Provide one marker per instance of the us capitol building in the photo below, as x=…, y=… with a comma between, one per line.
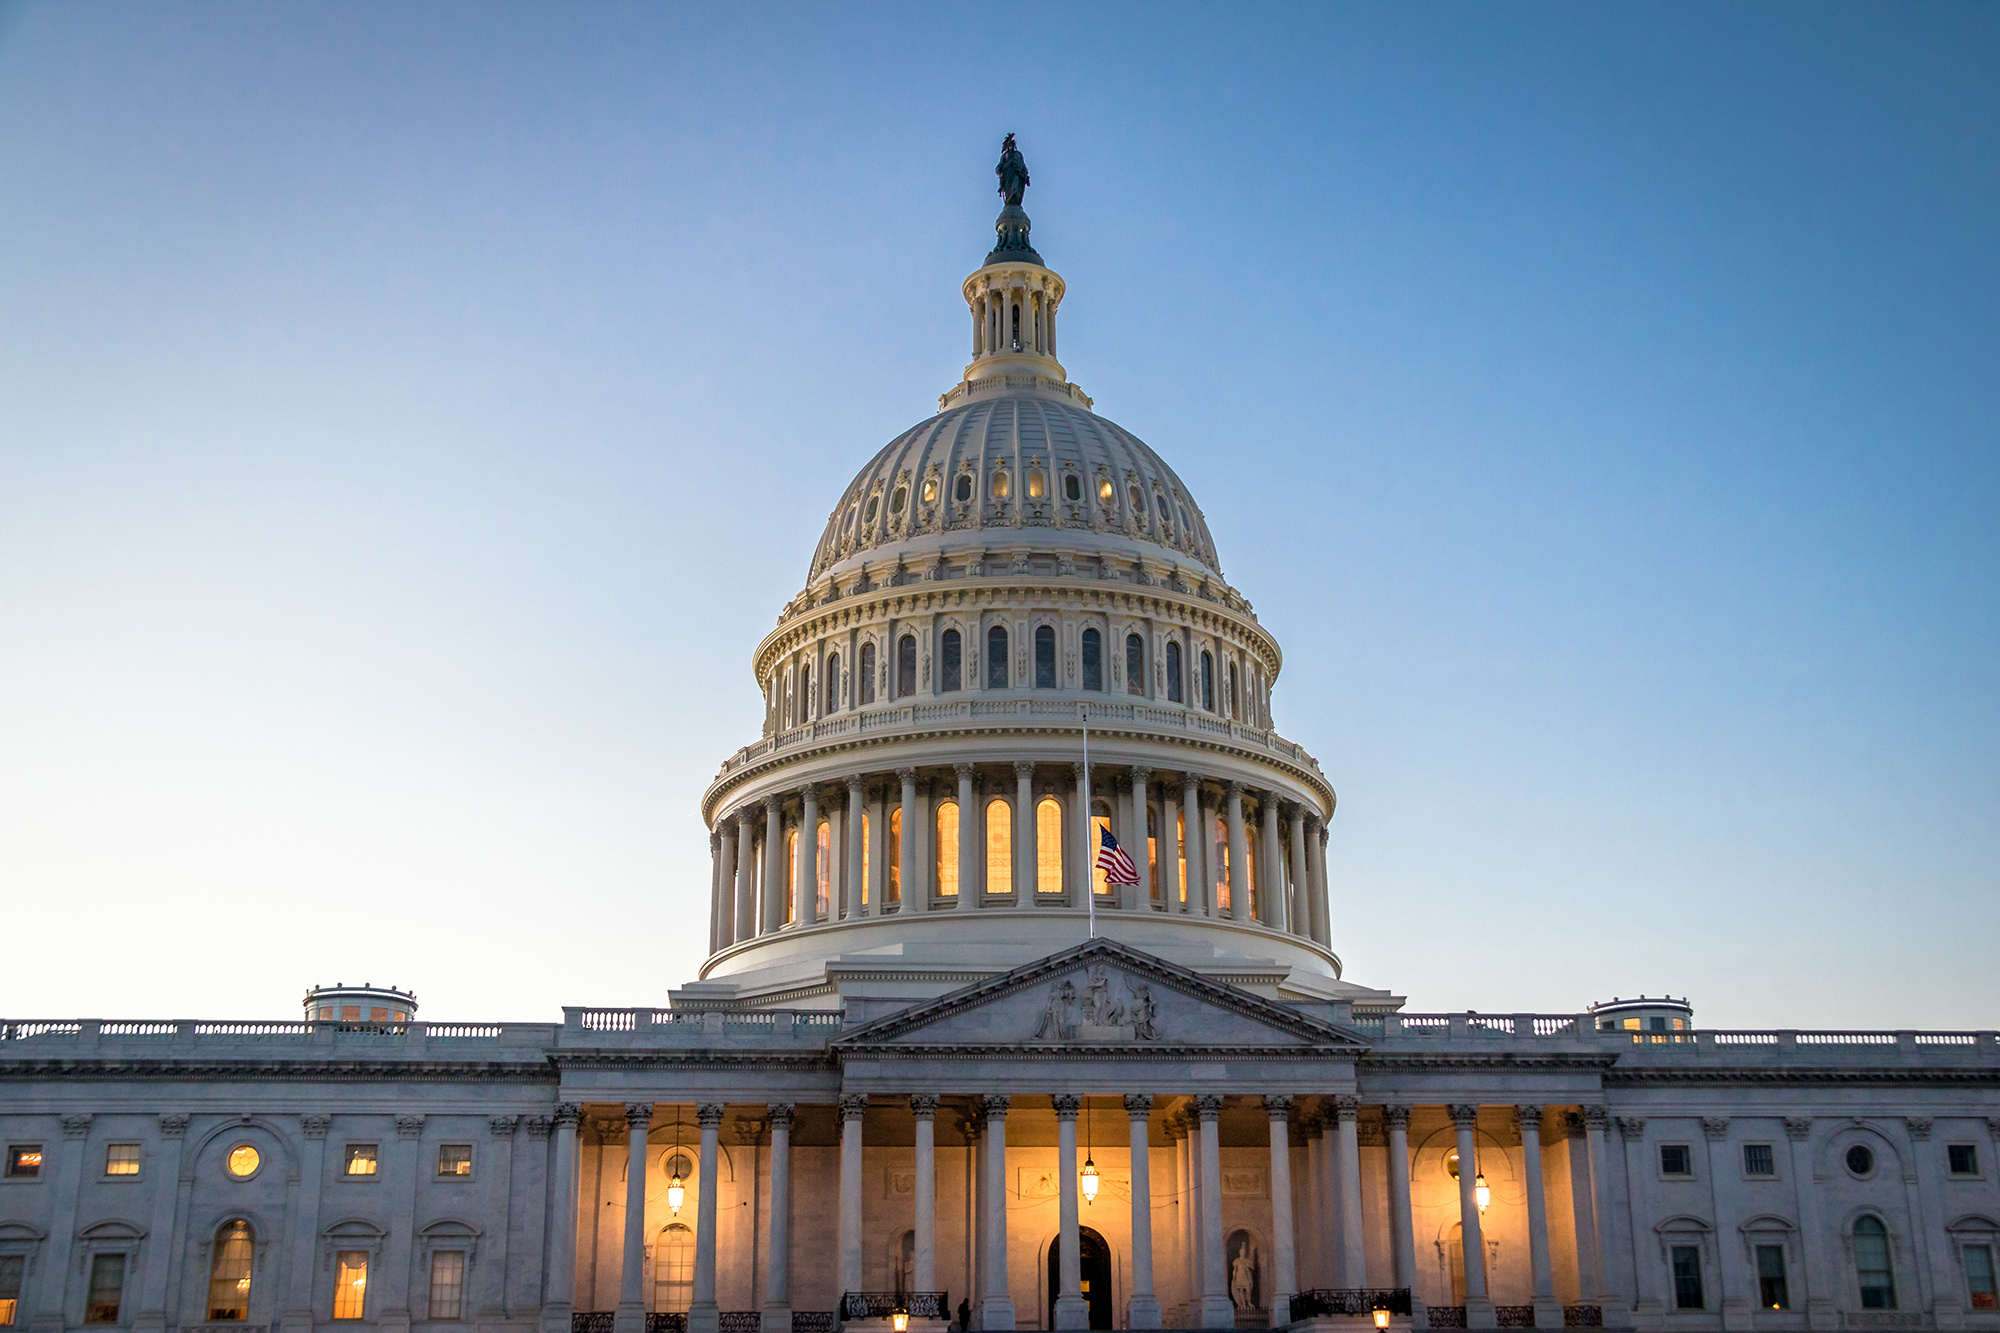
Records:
x=937, y=1069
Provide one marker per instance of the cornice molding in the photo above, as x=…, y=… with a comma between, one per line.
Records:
x=267, y=1070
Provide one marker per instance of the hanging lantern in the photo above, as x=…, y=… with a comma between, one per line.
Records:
x=1381, y=1316
x=1480, y=1194
x=900, y=1320
x=676, y=1187
x=1089, y=1174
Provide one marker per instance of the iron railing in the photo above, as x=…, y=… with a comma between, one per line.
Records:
x=1350, y=1300
x=1446, y=1316
x=1583, y=1316
x=740, y=1321
x=882, y=1304
x=812, y=1321
x=1514, y=1316
x=596, y=1321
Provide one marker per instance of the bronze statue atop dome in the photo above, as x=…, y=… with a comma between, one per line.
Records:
x=1013, y=173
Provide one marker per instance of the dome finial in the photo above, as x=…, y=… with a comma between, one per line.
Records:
x=1012, y=225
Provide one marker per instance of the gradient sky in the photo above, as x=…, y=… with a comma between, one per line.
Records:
x=412, y=416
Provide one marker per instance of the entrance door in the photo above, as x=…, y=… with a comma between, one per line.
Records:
x=1095, y=1270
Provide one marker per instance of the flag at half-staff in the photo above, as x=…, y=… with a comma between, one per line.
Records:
x=1111, y=859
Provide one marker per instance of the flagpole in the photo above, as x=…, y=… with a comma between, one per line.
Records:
x=1089, y=827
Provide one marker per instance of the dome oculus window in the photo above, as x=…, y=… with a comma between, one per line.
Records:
x=1037, y=484
x=1000, y=485
x=930, y=490
x=899, y=499
x=869, y=515
x=1105, y=492
x=1138, y=502
x=243, y=1161
x=962, y=489
x=1186, y=522
x=1072, y=488
x=1860, y=1160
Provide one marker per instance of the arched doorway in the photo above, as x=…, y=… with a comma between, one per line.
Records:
x=1095, y=1270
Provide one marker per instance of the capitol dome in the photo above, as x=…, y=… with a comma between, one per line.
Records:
x=920, y=811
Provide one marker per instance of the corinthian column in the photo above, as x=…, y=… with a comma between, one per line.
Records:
x=1548, y=1310
x=631, y=1315
x=1402, y=1235
x=561, y=1301
x=854, y=883
x=1142, y=1308
x=971, y=847
x=923, y=1108
x=1027, y=854
x=1239, y=858
x=777, y=1313
x=997, y=1309
x=1277, y=913
x=1302, y=895
x=774, y=865
x=1217, y=1311
x=1141, y=849
x=805, y=874
x=703, y=1315
x=746, y=874
x=1347, y=1148
x=1478, y=1306
x=852, y=1108
x=1285, y=1280
x=1072, y=1311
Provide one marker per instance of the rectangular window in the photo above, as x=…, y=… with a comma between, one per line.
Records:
x=447, y=1283
x=107, y=1289
x=1687, y=1277
x=24, y=1159
x=454, y=1159
x=350, y=1283
x=1758, y=1160
x=999, y=847
x=1771, y=1289
x=1979, y=1286
x=121, y=1159
x=13, y=1267
x=1048, y=846
x=1963, y=1158
x=1676, y=1160
x=360, y=1161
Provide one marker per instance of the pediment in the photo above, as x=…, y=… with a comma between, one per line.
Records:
x=1102, y=995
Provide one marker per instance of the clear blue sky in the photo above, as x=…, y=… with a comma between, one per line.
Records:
x=411, y=416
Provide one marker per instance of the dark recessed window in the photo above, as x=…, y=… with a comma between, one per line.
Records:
x=1771, y=1289
x=1135, y=664
x=1093, y=660
x=951, y=653
x=906, y=666
x=867, y=673
x=1758, y=1160
x=1871, y=1264
x=1687, y=1277
x=1860, y=1159
x=996, y=658
x=961, y=489
x=869, y=515
x=107, y=1289
x=1173, y=672
x=899, y=499
x=1963, y=1159
x=1676, y=1160
x=1072, y=488
x=832, y=682
x=1045, y=658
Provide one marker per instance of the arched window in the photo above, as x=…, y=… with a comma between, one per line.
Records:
x=1230, y=699
x=1093, y=660
x=229, y=1271
x=791, y=873
x=1223, y=903
x=1207, y=681
x=867, y=853
x=1871, y=1264
x=999, y=846
x=892, y=855
x=1135, y=664
x=822, y=870
x=1180, y=850
x=1045, y=657
x=867, y=681
x=906, y=666
x=1252, y=881
x=1001, y=484
x=1173, y=672
x=947, y=849
x=1153, y=851
x=1072, y=488
x=996, y=658
x=673, y=1270
x=950, y=655
x=962, y=489
x=832, y=683
x=1048, y=845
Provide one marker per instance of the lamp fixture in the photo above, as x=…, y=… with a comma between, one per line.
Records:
x=1088, y=1176
x=1381, y=1316
x=676, y=1187
x=1480, y=1193
x=900, y=1320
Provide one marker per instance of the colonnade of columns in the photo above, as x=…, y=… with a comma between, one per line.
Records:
x=1016, y=318
x=1332, y=1201
x=868, y=845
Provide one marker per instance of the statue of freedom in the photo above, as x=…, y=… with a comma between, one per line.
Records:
x=1013, y=173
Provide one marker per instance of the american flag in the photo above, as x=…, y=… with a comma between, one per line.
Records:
x=1111, y=859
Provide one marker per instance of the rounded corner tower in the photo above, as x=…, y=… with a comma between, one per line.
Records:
x=993, y=578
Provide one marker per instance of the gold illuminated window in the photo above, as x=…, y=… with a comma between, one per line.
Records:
x=454, y=1159
x=822, y=870
x=243, y=1161
x=350, y=1284
x=229, y=1271
x=107, y=1289
x=13, y=1271
x=1048, y=845
x=24, y=1160
x=947, y=849
x=892, y=873
x=791, y=873
x=1037, y=484
x=1100, y=824
x=360, y=1162
x=121, y=1159
x=1180, y=846
x=999, y=846
x=1221, y=864
x=930, y=490
x=1104, y=491
x=867, y=854
x=1000, y=485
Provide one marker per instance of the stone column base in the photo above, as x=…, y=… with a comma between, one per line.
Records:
x=1479, y=1313
x=1143, y=1312
x=291, y=1321
x=1820, y=1314
x=1548, y=1312
x=155, y=1321
x=703, y=1317
x=1736, y=1315
x=1946, y=1312
x=777, y=1317
x=1072, y=1312
x=630, y=1317
x=1216, y=1312
x=556, y=1317
x=995, y=1312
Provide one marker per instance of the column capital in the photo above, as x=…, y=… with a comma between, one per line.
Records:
x=1190, y=778
x=924, y=1105
x=1597, y=1118
x=746, y=816
x=906, y=775
x=76, y=1126
x=1233, y=789
x=407, y=1126
x=1464, y=1116
x=1631, y=1127
x=855, y=782
x=994, y=1105
x=1208, y=1107
x=1346, y=1109
x=638, y=1114
x=715, y=838
x=853, y=1105
x=1798, y=1128
x=1396, y=1115
x=963, y=771
x=312, y=1126
x=1919, y=1127
x=502, y=1126
x=1527, y=1118
x=1278, y=1106
x=809, y=791
x=1024, y=768
x=773, y=804
x=1067, y=1104
x=1140, y=773
x=709, y=1115
x=1077, y=770
x=539, y=1126
x=1139, y=1105
x=779, y=1115
x=1717, y=1127
x=567, y=1113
